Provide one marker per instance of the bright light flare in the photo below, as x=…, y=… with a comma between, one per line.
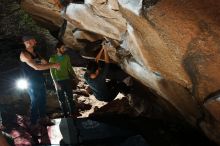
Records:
x=22, y=84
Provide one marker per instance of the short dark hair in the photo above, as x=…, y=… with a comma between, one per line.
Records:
x=91, y=67
x=59, y=44
x=27, y=38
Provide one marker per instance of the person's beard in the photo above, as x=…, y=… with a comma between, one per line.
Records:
x=34, y=47
x=62, y=52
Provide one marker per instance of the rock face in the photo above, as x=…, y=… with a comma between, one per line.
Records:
x=171, y=47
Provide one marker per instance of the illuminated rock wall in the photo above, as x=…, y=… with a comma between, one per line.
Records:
x=170, y=46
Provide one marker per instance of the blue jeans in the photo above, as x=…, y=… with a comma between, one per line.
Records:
x=37, y=93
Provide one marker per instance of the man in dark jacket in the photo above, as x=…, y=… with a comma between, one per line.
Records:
x=104, y=89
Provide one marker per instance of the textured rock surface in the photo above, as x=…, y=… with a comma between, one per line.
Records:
x=44, y=12
x=170, y=46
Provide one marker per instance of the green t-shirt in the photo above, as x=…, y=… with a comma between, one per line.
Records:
x=65, y=67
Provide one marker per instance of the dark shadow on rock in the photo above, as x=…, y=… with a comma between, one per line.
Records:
x=115, y=107
x=157, y=132
x=91, y=50
x=198, y=58
x=149, y=104
x=83, y=106
x=82, y=92
x=212, y=96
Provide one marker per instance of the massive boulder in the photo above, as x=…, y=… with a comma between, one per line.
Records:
x=171, y=47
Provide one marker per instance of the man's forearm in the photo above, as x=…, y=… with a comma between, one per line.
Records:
x=106, y=56
x=44, y=66
x=99, y=55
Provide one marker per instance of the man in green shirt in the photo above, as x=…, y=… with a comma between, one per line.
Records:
x=62, y=80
